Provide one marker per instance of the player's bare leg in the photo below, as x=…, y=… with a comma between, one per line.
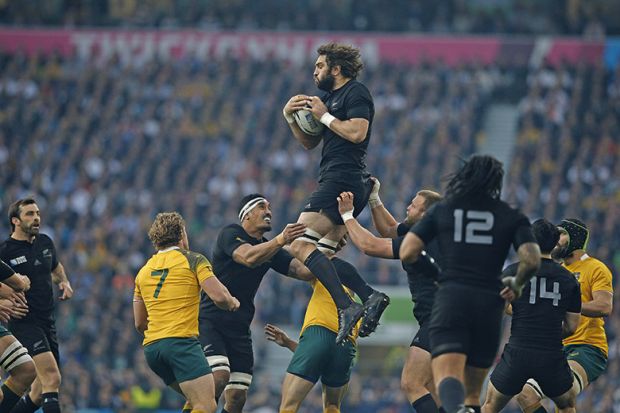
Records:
x=495, y=401
x=220, y=380
x=19, y=365
x=448, y=373
x=305, y=250
x=44, y=389
x=200, y=393
x=332, y=398
x=581, y=377
x=294, y=391
x=474, y=379
x=530, y=400
x=236, y=392
x=417, y=380
x=567, y=402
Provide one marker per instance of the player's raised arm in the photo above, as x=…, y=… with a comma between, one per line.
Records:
x=255, y=255
x=360, y=236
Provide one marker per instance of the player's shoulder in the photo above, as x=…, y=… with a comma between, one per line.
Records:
x=45, y=239
x=596, y=264
x=560, y=272
x=231, y=230
x=358, y=88
x=194, y=258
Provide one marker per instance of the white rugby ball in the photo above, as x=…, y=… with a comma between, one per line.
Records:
x=307, y=123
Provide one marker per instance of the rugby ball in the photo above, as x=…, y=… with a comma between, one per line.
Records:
x=308, y=123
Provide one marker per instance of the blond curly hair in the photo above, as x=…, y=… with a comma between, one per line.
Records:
x=167, y=230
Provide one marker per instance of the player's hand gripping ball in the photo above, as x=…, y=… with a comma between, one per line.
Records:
x=308, y=123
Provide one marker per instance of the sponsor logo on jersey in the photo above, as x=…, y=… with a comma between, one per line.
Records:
x=18, y=260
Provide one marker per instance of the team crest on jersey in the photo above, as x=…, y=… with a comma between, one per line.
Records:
x=18, y=260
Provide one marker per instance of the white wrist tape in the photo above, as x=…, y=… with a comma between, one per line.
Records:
x=327, y=119
x=375, y=202
x=289, y=118
x=347, y=216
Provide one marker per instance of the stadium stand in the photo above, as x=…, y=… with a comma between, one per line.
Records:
x=104, y=148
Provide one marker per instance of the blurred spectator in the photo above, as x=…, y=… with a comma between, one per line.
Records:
x=104, y=148
x=592, y=19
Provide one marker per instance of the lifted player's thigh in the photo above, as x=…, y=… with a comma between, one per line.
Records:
x=316, y=222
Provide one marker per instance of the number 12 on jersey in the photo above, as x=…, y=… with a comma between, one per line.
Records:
x=162, y=274
x=476, y=223
x=552, y=295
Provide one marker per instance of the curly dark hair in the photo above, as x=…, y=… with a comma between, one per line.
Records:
x=481, y=175
x=167, y=230
x=347, y=57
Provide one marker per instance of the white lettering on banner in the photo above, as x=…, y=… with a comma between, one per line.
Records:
x=141, y=47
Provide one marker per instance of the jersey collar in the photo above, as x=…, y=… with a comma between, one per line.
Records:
x=168, y=249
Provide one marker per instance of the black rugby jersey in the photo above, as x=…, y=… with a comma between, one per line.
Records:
x=474, y=237
x=537, y=315
x=36, y=260
x=340, y=158
x=421, y=276
x=241, y=281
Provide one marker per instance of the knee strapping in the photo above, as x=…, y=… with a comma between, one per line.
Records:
x=311, y=236
x=15, y=355
x=327, y=245
x=239, y=381
x=218, y=363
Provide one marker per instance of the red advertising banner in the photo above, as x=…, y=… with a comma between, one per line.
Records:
x=135, y=46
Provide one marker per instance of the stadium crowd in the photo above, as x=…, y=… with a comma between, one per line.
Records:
x=104, y=148
x=588, y=18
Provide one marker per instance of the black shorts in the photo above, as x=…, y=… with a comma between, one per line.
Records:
x=324, y=199
x=37, y=338
x=422, y=339
x=550, y=369
x=466, y=320
x=235, y=344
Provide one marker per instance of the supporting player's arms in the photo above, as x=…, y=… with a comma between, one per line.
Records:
x=140, y=315
x=600, y=306
x=278, y=336
x=384, y=221
x=219, y=294
x=354, y=130
x=361, y=237
x=255, y=255
x=411, y=248
x=299, y=271
x=570, y=324
x=14, y=280
x=60, y=278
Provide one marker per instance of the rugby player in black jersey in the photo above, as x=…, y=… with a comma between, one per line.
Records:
x=241, y=257
x=417, y=379
x=547, y=311
x=347, y=110
x=474, y=230
x=33, y=254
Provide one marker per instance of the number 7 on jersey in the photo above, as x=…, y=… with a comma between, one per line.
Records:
x=162, y=274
